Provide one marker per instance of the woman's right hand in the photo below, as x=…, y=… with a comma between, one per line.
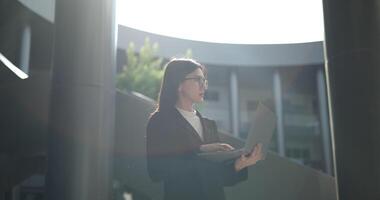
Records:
x=246, y=161
x=215, y=147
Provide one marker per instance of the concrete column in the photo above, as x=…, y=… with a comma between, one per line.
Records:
x=25, y=49
x=16, y=193
x=324, y=121
x=234, y=103
x=352, y=44
x=277, y=89
x=81, y=125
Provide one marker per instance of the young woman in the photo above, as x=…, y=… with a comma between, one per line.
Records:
x=176, y=132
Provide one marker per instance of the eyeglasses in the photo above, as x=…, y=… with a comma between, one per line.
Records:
x=202, y=82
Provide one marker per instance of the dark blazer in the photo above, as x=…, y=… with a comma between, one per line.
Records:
x=172, y=147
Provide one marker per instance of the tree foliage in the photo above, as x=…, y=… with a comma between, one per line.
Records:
x=144, y=70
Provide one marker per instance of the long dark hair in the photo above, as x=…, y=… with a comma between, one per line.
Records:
x=175, y=72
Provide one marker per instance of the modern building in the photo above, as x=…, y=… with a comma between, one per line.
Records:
x=66, y=133
x=291, y=76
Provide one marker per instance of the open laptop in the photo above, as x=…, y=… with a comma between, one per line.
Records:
x=261, y=131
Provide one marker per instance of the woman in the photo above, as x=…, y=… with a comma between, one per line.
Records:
x=176, y=132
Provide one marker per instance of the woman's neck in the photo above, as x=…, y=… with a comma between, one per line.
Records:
x=184, y=105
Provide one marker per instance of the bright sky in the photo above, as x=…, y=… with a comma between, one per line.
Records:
x=226, y=21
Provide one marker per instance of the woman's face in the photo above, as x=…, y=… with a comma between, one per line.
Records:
x=193, y=87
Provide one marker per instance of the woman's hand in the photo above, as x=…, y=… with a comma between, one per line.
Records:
x=216, y=147
x=245, y=161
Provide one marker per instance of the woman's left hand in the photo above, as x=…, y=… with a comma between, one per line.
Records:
x=245, y=161
x=213, y=147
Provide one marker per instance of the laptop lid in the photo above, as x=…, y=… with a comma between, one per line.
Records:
x=262, y=128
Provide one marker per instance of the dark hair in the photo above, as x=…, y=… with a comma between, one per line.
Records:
x=175, y=72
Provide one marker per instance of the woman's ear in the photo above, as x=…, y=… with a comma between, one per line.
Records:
x=180, y=88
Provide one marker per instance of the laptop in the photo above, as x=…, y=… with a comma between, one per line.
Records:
x=261, y=131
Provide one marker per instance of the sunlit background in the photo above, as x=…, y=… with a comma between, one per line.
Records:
x=268, y=52
x=223, y=21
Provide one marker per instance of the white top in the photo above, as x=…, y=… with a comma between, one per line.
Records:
x=193, y=119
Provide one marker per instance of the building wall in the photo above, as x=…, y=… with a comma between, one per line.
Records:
x=217, y=108
x=300, y=112
x=249, y=97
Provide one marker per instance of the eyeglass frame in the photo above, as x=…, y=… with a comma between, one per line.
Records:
x=202, y=81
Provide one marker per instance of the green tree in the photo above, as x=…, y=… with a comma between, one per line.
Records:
x=144, y=70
